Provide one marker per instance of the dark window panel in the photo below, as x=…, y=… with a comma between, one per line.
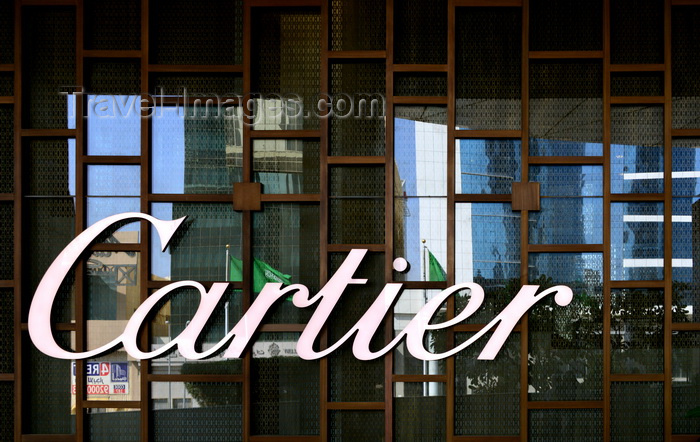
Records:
x=358, y=25
x=185, y=32
x=285, y=388
x=181, y=409
x=48, y=65
x=637, y=410
x=566, y=25
x=566, y=108
x=357, y=127
x=637, y=84
x=113, y=25
x=685, y=44
x=488, y=68
x=420, y=32
x=637, y=31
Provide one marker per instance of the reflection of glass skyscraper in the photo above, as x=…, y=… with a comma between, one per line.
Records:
x=487, y=166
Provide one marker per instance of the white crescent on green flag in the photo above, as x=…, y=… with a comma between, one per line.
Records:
x=262, y=274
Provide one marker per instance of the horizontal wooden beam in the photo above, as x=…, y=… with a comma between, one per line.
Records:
x=355, y=405
x=7, y=67
x=466, y=134
x=565, y=160
x=194, y=377
x=356, y=55
x=419, y=100
x=334, y=248
x=110, y=159
x=473, y=328
x=284, y=134
x=194, y=198
x=564, y=248
x=685, y=326
x=419, y=378
x=482, y=198
x=282, y=328
x=7, y=377
x=564, y=54
x=112, y=404
x=633, y=197
x=290, y=198
x=637, y=67
x=637, y=100
x=283, y=3
x=100, y=53
x=551, y=405
x=36, y=133
x=111, y=247
x=423, y=285
x=49, y=2
x=178, y=68
x=356, y=160
x=637, y=284
x=488, y=3
x=486, y=438
x=685, y=132
x=284, y=438
x=419, y=68
x=636, y=377
x=48, y=437
x=7, y=100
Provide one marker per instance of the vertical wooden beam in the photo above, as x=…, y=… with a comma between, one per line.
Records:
x=668, y=223
x=80, y=223
x=389, y=138
x=451, y=124
x=525, y=103
x=606, y=220
x=145, y=229
x=246, y=252
x=17, y=218
x=323, y=86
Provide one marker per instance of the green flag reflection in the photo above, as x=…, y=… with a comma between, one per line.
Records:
x=435, y=270
x=262, y=274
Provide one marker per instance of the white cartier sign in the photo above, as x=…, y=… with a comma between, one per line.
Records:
x=325, y=300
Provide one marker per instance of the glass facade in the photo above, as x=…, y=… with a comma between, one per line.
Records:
x=503, y=143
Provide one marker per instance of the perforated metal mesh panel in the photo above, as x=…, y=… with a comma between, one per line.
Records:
x=358, y=25
x=113, y=25
x=358, y=128
x=352, y=380
x=637, y=332
x=284, y=390
x=487, y=393
x=7, y=149
x=637, y=31
x=48, y=64
x=685, y=44
x=184, y=32
x=356, y=425
x=566, y=25
x=488, y=60
x=584, y=425
x=686, y=381
x=566, y=346
x=420, y=32
x=636, y=411
x=566, y=108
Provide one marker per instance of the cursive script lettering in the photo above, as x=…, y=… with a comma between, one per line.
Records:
x=238, y=338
